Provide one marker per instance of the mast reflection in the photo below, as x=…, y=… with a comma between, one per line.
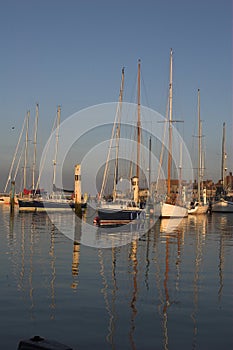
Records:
x=106, y=291
x=134, y=260
x=172, y=231
x=200, y=224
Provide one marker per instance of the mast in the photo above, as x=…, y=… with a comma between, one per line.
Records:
x=118, y=131
x=35, y=140
x=135, y=179
x=26, y=152
x=149, y=179
x=180, y=173
x=199, y=165
x=170, y=130
x=223, y=156
x=56, y=146
x=139, y=121
x=202, y=163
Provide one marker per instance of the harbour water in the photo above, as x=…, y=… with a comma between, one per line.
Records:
x=168, y=289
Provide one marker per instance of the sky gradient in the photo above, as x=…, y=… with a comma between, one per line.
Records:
x=71, y=53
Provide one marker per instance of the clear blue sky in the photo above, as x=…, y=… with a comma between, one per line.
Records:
x=71, y=53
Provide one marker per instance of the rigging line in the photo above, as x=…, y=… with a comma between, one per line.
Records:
x=19, y=160
x=56, y=144
x=116, y=123
x=162, y=147
x=15, y=154
x=145, y=91
x=134, y=90
x=132, y=137
x=45, y=154
x=106, y=169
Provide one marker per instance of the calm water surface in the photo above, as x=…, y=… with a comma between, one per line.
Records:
x=166, y=290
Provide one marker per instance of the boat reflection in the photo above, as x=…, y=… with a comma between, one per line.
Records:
x=171, y=224
x=100, y=237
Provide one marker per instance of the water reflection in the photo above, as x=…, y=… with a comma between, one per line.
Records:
x=133, y=302
x=172, y=235
x=159, y=280
x=27, y=248
x=200, y=225
x=53, y=273
x=109, y=295
x=75, y=264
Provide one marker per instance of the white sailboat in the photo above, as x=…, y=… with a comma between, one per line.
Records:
x=225, y=203
x=36, y=201
x=199, y=207
x=168, y=208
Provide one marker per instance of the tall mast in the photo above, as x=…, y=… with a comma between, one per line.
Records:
x=56, y=146
x=118, y=130
x=149, y=178
x=170, y=131
x=202, y=163
x=138, y=122
x=199, y=150
x=223, y=156
x=26, y=152
x=180, y=172
x=34, y=153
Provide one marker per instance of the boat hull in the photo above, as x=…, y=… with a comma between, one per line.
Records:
x=111, y=216
x=44, y=205
x=173, y=211
x=222, y=206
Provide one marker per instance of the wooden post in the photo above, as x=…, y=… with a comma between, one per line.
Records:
x=12, y=195
x=77, y=190
x=135, y=186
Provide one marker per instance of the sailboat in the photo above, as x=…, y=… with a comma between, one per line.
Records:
x=121, y=211
x=199, y=207
x=169, y=209
x=225, y=203
x=37, y=201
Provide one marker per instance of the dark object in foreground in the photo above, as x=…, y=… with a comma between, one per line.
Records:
x=38, y=342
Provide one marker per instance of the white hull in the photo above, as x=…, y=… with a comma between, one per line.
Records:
x=223, y=206
x=173, y=211
x=199, y=209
